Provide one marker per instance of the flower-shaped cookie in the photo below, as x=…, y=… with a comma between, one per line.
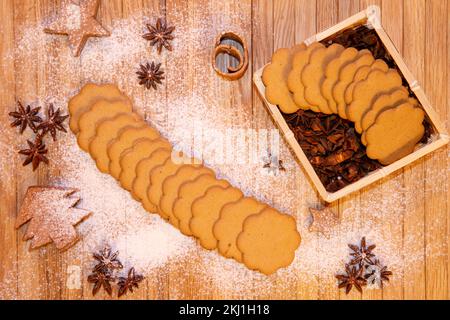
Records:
x=268, y=241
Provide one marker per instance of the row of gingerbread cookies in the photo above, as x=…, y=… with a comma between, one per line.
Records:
x=352, y=84
x=179, y=189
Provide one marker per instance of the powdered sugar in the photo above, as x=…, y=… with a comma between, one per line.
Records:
x=117, y=220
x=149, y=243
x=73, y=16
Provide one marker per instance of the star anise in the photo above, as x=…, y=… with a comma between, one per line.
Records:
x=150, y=75
x=332, y=146
x=353, y=277
x=128, y=283
x=36, y=153
x=160, y=35
x=101, y=279
x=362, y=255
x=107, y=261
x=376, y=273
x=25, y=117
x=53, y=122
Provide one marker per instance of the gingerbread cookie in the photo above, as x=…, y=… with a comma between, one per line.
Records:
x=157, y=177
x=377, y=82
x=143, y=168
x=172, y=184
x=52, y=216
x=295, y=85
x=361, y=75
x=268, y=241
x=411, y=101
x=188, y=193
x=125, y=140
x=275, y=77
x=206, y=211
x=228, y=227
x=384, y=101
x=395, y=133
x=77, y=20
x=89, y=121
x=365, y=58
x=313, y=76
x=142, y=149
x=145, y=162
x=106, y=132
x=332, y=75
x=87, y=97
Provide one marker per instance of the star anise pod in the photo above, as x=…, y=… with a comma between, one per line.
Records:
x=107, y=260
x=332, y=146
x=53, y=122
x=101, y=279
x=353, y=277
x=150, y=75
x=128, y=283
x=35, y=153
x=363, y=254
x=160, y=35
x=378, y=273
x=25, y=117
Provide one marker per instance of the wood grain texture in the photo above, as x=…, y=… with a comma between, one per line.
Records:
x=8, y=186
x=419, y=28
x=436, y=204
x=26, y=72
x=284, y=37
x=414, y=219
x=448, y=104
x=393, y=11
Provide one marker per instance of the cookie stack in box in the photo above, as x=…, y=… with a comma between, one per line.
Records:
x=352, y=84
x=181, y=190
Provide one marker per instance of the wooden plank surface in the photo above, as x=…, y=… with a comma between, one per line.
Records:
x=393, y=11
x=414, y=219
x=415, y=236
x=436, y=203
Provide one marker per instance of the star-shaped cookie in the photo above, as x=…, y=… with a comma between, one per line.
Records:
x=78, y=21
x=323, y=221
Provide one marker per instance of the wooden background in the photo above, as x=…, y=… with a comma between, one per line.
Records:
x=419, y=28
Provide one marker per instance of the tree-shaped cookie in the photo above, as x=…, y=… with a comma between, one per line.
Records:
x=52, y=215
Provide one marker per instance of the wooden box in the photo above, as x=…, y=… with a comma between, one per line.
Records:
x=371, y=19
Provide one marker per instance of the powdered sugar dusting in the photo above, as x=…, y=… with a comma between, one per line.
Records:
x=319, y=257
x=7, y=152
x=117, y=220
x=149, y=243
x=152, y=245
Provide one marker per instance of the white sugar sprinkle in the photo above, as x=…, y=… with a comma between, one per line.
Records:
x=143, y=239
